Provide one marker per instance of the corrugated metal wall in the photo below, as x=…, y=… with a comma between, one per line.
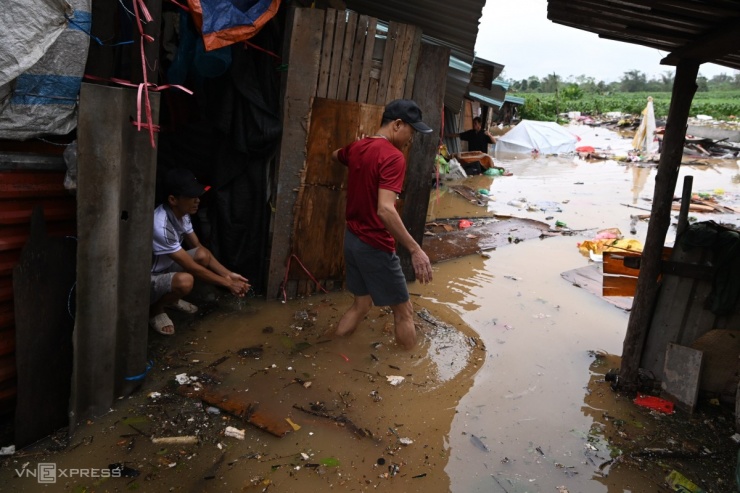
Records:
x=20, y=192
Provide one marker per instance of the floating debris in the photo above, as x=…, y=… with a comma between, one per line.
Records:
x=479, y=443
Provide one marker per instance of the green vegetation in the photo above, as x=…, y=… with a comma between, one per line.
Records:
x=550, y=96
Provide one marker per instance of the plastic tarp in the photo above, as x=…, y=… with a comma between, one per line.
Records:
x=225, y=22
x=43, y=51
x=542, y=137
x=645, y=135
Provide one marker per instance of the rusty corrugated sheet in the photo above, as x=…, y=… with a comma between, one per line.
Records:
x=20, y=192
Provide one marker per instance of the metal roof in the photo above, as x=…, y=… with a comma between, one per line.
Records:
x=485, y=72
x=486, y=99
x=701, y=30
x=450, y=24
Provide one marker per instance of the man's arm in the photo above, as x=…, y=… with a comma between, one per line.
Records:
x=393, y=223
x=214, y=272
x=335, y=157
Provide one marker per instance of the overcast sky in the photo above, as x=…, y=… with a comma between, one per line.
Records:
x=518, y=35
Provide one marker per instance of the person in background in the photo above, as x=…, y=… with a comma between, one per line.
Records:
x=175, y=269
x=376, y=170
x=473, y=162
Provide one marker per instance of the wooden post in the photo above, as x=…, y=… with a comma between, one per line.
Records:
x=683, y=215
x=303, y=47
x=429, y=93
x=646, y=293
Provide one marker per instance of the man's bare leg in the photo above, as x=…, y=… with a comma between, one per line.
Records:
x=403, y=315
x=354, y=315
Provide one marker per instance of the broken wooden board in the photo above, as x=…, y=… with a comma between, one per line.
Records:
x=589, y=277
x=238, y=405
x=499, y=232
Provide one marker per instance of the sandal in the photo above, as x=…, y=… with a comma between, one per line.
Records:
x=184, y=307
x=159, y=322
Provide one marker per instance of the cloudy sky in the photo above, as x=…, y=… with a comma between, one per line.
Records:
x=518, y=35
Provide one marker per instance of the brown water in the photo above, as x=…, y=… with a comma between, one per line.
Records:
x=526, y=385
x=529, y=401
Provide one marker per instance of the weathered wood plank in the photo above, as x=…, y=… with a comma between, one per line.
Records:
x=678, y=313
x=372, y=90
x=429, y=92
x=43, y=333
x=589, y=277
x=347, y=53
x=239, y=405
x=413, y=62
x=387, y=63
x=397, y=75
x=320, y=212
x=358, y=51
x=367, y=61
x=302, y=54
x=336, y=54
x=327, y=45
x=618, y=285
x=614, y=263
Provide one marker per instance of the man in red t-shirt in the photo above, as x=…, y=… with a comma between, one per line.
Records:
x=376, y=168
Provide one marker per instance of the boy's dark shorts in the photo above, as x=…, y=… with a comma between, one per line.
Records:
x=374, y=272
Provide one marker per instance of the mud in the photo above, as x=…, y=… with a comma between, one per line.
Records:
x=505, y=392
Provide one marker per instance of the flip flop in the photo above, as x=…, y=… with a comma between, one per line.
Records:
x=159, y=322
x=184, y=306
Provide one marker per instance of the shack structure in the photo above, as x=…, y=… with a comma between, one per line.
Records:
x=668, y=308
x=255, y=116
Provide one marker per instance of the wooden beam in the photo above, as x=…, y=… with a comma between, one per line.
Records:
x=326, y=50
x=336, y=55
x=347, y=53
x=367, y=61
x=385, y=71
x=429, y=93
x=358, y=51
x=302, y=52
x=684, y=88
x=722, y=40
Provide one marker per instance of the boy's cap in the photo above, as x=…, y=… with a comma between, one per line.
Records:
x=182, y=182
x=407, y=111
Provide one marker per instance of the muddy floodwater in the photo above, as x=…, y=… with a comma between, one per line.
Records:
x=505, y=392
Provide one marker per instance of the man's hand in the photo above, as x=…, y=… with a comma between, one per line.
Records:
x=422, y=266
x=238, y=284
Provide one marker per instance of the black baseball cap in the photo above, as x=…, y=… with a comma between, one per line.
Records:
x=408, y=111
x=182, y=182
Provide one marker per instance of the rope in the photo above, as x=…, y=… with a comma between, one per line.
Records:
x=287, y=271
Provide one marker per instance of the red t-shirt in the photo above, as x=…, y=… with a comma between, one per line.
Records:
x=372, y=163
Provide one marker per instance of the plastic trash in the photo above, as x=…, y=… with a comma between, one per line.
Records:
x=232, y=432
x=679, y=482
x=655, y=403
x=464, y=223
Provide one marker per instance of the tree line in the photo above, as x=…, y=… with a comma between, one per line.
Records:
x=631, y=81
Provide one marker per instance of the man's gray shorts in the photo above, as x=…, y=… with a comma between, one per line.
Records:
x=373, y=272
x=162, y=282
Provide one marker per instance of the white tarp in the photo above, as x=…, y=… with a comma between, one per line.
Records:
x=645, y=135
x=27, y=30
x=43, y=51
x=542, y=137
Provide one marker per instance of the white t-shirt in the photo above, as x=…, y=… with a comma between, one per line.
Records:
x=169, y=234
